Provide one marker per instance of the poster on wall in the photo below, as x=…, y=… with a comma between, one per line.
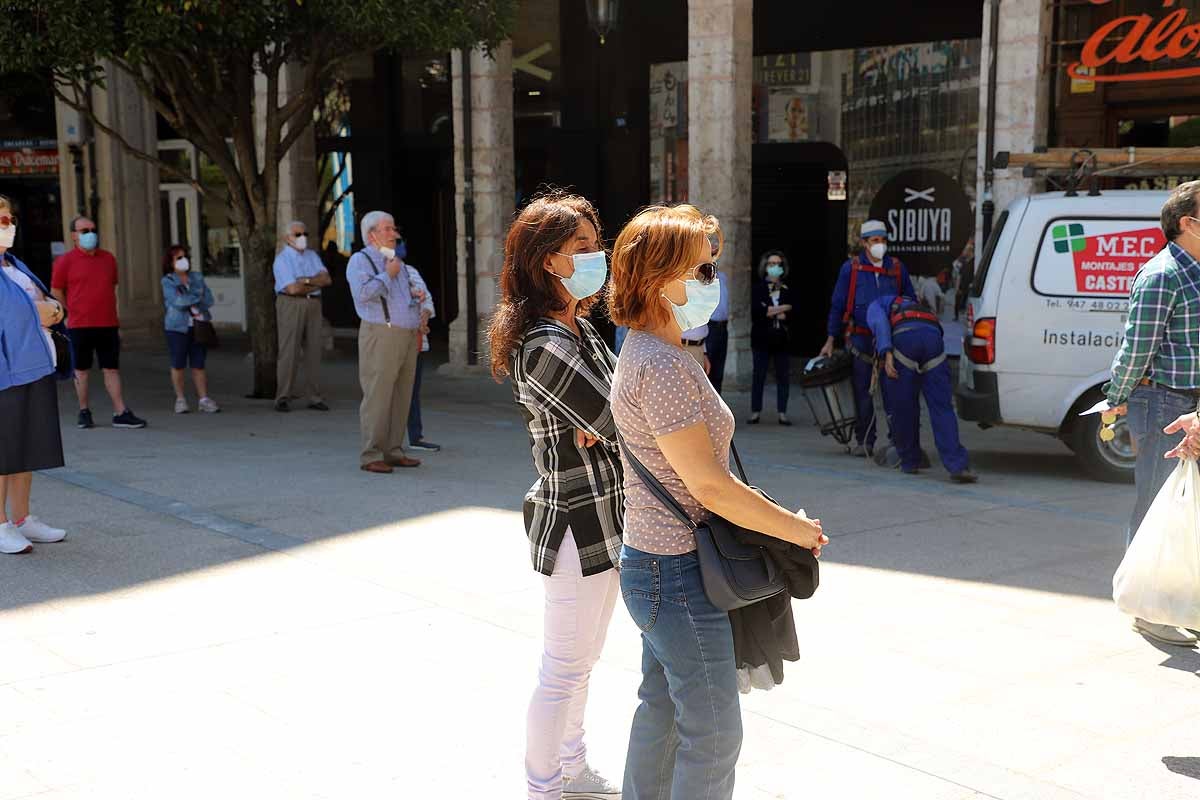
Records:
x=668, y=132
x=928, y=218
x=788, y=112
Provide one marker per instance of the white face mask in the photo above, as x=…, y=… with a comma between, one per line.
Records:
x=388, y=253
x=8, y=236
x=590, y=271
x=182, y=265
x=702, y=301
x=878, y=250
x=301, y=242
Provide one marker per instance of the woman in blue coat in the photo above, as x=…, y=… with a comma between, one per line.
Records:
x=188, y=301
x=30, y=438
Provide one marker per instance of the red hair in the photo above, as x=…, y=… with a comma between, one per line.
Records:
x=653, y=249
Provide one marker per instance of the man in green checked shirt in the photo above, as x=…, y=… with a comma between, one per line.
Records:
x=1156, y=374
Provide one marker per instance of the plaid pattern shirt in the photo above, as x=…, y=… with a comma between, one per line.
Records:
x=561, y=382
x=1162, y=335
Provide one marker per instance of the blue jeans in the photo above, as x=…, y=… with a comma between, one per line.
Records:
x=687, y=731
x=414, y=407
x=1152, y=408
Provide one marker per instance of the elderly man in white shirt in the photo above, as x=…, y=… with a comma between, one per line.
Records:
x=299, y=277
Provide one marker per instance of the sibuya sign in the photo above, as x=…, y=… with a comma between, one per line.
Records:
x=1164, y=42
x=928, y=219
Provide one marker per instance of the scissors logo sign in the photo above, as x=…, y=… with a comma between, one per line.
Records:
x=928, y=218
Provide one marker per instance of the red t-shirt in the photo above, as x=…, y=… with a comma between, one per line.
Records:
x=90, y=283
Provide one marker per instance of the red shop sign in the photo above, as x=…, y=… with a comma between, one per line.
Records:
x=1141, y=38
x=28, y=161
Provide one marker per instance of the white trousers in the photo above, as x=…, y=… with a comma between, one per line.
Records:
x=578, y=610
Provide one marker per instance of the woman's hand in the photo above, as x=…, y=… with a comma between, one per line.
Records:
x=50, y=312
x=807, y=533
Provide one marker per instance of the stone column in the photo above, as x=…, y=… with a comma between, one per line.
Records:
x=298, y=168
x=720, y=70
x=491, y=109
x=1022, y=98
x=130, y=218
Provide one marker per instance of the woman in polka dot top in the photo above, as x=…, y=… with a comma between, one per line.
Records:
x=676, y=424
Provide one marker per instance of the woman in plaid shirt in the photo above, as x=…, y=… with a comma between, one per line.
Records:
x=561, y=373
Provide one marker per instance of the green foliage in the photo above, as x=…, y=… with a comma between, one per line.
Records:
x=68, y=37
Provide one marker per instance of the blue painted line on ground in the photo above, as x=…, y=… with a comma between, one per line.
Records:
x=924, y=486
x=250, y=534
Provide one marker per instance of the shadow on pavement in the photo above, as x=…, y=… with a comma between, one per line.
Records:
x=145, y=505
x=1188, y=766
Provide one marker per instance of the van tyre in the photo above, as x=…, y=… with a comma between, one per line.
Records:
x=1111, y=462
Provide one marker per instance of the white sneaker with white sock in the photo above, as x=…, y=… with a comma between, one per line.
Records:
x=208, y=406
x=35, y=530
x=11, y=540
x=589, y=785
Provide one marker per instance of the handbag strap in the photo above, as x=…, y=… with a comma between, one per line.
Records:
x=659, y=491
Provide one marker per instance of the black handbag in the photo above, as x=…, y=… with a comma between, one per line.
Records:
x=205, y=334
x=62, y=349
x=734, y=574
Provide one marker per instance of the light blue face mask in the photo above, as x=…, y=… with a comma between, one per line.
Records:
x=89, y=240
x=775, y=270
x=702, y=301
x=590, y=271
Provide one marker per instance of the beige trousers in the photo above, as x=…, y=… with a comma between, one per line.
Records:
x=299, y=322
x=387, y=364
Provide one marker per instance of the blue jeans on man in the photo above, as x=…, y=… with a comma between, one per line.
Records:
x=687, y=731
x=1149, y=410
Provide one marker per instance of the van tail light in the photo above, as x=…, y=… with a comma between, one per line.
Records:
x=981, y=345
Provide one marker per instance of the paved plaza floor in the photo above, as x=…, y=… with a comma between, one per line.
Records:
x=239, y=612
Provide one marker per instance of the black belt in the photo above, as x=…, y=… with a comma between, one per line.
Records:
x=693, y=342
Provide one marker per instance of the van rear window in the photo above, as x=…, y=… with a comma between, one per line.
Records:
x=1092, y=257
x=985, y=261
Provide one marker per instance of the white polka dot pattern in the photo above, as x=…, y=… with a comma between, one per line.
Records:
x=659, y=389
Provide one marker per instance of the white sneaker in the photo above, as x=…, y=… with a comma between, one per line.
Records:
x=208, y=406
x=1167, y=634
x=589, y=785
x=35, y=530
x=11, y=540
x=181, y=405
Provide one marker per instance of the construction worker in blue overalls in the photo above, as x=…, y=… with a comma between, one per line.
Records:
x=909, y=340
x=861, y=280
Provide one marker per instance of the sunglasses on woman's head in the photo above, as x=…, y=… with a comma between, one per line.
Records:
x=7, y=219
x=705, y=273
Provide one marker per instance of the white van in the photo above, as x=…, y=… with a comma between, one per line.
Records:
x=1047, y=314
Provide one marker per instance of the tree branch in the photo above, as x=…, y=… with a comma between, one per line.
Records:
x=116, y=136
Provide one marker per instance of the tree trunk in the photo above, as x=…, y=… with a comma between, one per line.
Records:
x=259, y=256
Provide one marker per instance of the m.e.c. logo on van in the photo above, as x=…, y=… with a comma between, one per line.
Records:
x=1106, y=263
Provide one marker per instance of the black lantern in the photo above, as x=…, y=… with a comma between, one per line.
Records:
x=828, y=387
x=602, y=16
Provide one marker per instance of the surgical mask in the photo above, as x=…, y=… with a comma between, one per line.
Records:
x=181, y=264
x=8, y=235
x=301, y=243
x=387, y=253
x=775, y=270
x=878, y=250
x=702, y=301
x=89, y=240
x=590, y=271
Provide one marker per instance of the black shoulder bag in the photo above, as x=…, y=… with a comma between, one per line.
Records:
x=734, y=574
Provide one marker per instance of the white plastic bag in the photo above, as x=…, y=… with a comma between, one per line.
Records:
x=1159, y=578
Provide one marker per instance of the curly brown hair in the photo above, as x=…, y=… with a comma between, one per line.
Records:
x=528, y=291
